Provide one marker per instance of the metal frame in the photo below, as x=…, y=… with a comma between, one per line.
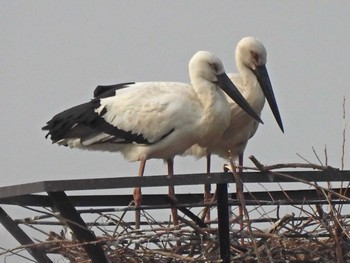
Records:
x=33, y=194
x=38, y=254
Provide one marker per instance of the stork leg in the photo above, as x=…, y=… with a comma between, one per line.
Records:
x=171, y=191
x=207, y=189
x=138, y=196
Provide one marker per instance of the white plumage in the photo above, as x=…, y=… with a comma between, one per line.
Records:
x=151, y=110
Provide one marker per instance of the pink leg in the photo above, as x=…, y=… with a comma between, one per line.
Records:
x=138, y=195
x=171, y=191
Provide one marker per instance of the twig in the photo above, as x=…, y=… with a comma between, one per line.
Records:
x=318, y=158
x=121, y=220
x=277, y=225
x=297, y=165
x=206, y=209
x=304, y=159
x=344, y=137
x=265, y=169
x=170, y=255
x=199, y=230
x=16, y=254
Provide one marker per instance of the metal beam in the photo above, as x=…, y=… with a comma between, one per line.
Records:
x=286, y=197
x=163, y=180
x=77, y=225
x=38, y=254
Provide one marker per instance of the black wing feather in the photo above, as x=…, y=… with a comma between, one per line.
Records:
x=102, y=91
x=83, y=122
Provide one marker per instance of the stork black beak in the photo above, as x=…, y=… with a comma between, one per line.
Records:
x=231, y=90
x=265, y=84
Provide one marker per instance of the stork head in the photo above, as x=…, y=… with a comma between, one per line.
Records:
x=250, y=52
x=206, y=67
x=251, y=55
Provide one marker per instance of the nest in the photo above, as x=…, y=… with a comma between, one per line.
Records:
x=301, y=233
x=290, y=239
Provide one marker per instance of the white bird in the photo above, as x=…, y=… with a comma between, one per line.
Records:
x=254, y=84
x=153, y=119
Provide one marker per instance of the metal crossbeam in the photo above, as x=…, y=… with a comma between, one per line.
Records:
x=78, y=226
x=163, y=180
x=38, y=254
x=295, y=197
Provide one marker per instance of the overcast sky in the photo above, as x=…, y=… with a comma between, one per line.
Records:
x=54, y=53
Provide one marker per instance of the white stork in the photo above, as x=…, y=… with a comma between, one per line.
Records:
x=254, y=84
x=153, y=119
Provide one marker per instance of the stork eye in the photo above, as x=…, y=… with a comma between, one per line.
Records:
x=214, y=67
x=255, y=57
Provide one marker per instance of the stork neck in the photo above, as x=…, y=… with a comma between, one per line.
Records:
x=216, y=111
x=248, y=77
x=252, y=91
x=208, y=94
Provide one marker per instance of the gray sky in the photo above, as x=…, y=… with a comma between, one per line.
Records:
x=54, y=53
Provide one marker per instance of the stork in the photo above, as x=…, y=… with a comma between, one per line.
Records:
x=254, y=84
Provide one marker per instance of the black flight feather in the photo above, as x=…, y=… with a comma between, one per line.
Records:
x=102, y=91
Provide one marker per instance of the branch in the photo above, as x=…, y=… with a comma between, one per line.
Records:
x=263, y=168
x=289, y=165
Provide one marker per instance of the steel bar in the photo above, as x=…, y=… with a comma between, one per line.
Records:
x=287, y=197
x=163, y=180
x=12, y=227
x=77, y=225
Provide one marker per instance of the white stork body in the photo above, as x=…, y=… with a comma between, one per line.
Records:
x=254, y=84
x=166, y=124
x=153, y=119
x=149, y=109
